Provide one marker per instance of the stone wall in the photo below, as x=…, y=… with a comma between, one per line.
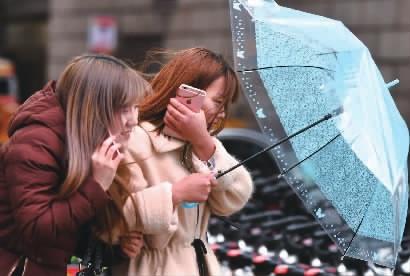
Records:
x=177, y=24
x=69, y=21
x=383, y=25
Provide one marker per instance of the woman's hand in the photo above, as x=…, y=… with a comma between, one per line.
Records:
x=192, y=126
x=193, y=188
x=105, y=161
x=131, y=243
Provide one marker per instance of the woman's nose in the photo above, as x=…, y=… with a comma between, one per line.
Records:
x=221, y=114
x=132, y=119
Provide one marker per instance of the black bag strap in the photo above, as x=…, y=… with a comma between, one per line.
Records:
x=98, y=257
x=90, y=251
x=200, y=250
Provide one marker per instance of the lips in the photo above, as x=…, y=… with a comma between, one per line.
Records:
x=126, y=133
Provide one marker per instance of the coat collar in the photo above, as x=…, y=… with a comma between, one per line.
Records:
x=161, y=142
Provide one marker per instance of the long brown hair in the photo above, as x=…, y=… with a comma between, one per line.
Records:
x=197, y=67
x=91, y=89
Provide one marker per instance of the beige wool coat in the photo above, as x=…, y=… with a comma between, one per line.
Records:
x=168, y=232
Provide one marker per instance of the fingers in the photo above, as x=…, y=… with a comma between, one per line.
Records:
x=210, y=177
x=131, y=251
x=214, y=183
x=174, y=118
x=131, y=243
x=174, y=113
x=106, y=144
x=112, y=150
x=100, y=155
x=208, y=184
x=197, y=187
x=170, y=121
x=179, y=106
x=117, y=159
x=109, y=150
x=133, y=234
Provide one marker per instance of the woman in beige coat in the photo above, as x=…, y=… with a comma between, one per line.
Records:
x=169, y=171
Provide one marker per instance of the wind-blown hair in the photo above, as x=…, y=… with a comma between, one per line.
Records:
x=197, y=67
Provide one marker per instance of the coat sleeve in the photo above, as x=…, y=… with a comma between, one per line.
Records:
x=233, y=189
x=150, y=209
x=35, y=176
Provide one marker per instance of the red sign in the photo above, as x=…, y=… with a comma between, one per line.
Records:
x=102, y=35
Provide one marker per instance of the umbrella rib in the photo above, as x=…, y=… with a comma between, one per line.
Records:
x=309, y=156
x=283, y=66
x=358, y=227
x=325, y=118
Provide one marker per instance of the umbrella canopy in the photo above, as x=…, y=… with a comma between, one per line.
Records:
x=297, y=67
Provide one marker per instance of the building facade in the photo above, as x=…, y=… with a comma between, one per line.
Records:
x=43, y=35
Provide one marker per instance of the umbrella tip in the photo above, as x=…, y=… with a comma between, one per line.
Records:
x=392, y=83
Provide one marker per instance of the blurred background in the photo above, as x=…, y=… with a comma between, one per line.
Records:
x=38, y=38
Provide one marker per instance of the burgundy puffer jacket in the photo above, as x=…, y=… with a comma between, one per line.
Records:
x=34, y=222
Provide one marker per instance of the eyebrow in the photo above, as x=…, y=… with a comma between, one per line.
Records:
x=219, y=97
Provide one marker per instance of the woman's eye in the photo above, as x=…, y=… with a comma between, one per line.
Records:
x=125, y=110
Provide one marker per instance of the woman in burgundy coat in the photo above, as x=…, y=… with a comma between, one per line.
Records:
x=60, y=161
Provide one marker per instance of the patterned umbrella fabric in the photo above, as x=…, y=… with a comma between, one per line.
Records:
x=297, y=67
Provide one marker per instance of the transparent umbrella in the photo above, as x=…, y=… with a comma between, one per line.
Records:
x=350, y=168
